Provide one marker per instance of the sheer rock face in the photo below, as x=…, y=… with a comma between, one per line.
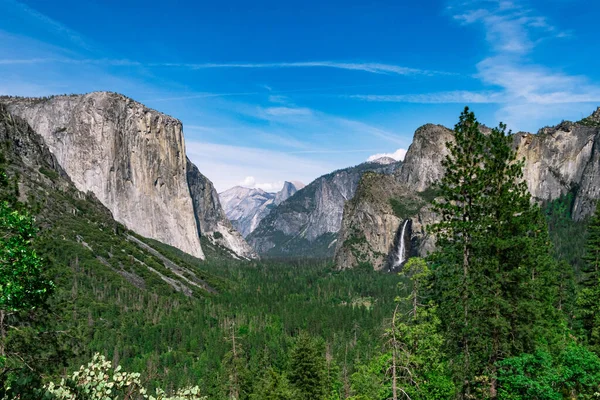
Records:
x=423, y=161
x=210, y=217
x=130, y=157
x=561, y=159
x=288, y=190
x=557, y=160
x=307, y=223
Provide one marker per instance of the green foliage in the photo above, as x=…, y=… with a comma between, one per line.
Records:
x=22, y=283
x=416, y=341
x=404, y=208
x=24, y=291
x=371, y=381
x=307, y=369
x=568, y=236
x=574, y=373
x=50, y=173
x=588, y=300
x=495, y=278
x=272, y=386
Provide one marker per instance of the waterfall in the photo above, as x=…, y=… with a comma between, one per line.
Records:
x=400, y=256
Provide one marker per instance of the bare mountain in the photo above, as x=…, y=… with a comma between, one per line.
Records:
x=246, y=207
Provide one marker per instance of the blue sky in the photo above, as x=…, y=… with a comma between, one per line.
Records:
x=289, y=90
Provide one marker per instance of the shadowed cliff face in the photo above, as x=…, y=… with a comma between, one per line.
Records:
x=131, y=157
x=210, y=217
x=558, y=160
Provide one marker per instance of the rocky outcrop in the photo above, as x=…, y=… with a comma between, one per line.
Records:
x=372, y=227
x=385, y=160
x=307, y=223
x=557, y=160
x=210, y=218
x=288, y=190
x=246, y=207
x=561, y=159
x=130, y=157
x=423, y=161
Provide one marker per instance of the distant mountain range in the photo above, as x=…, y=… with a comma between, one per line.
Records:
x=306, y=224
x=246, y=207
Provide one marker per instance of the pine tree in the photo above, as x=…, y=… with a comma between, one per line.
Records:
x=272, y=386
x=418, y=369
x=235, y=364
x=307, y=369
x=494, y=274
x=588, y=298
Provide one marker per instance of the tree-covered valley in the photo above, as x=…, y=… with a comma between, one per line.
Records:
x=505, y=307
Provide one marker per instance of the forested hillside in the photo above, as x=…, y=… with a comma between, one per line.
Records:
x=505, y=308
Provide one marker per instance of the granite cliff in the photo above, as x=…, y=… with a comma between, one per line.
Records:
x=132, y=159
x=557, y=160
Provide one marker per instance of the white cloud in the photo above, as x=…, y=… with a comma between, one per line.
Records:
x=528, y=93
x=398, y=155
x=532, y=93
x=375, y=68
x=509, y=27
x=248, y=181
x=458, y=96
x=287, y=111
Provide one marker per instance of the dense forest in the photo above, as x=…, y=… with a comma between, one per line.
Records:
x=507, y=307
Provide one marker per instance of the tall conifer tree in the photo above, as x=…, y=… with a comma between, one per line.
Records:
x=588, y=299
x=307, y=369
x=494, y=273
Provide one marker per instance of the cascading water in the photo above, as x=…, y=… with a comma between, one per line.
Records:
x=401, y=254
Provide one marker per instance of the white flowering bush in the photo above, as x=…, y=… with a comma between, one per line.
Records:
x=98, y=380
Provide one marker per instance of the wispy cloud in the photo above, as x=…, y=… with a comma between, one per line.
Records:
x=459, y=96
x=375, y=68
x=51, y=25
x=288, y=111
x=509, y=27
x=513, y=31
x=524, y=90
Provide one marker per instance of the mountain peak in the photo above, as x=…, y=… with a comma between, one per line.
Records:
x=385, y=160
x=288, y=190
